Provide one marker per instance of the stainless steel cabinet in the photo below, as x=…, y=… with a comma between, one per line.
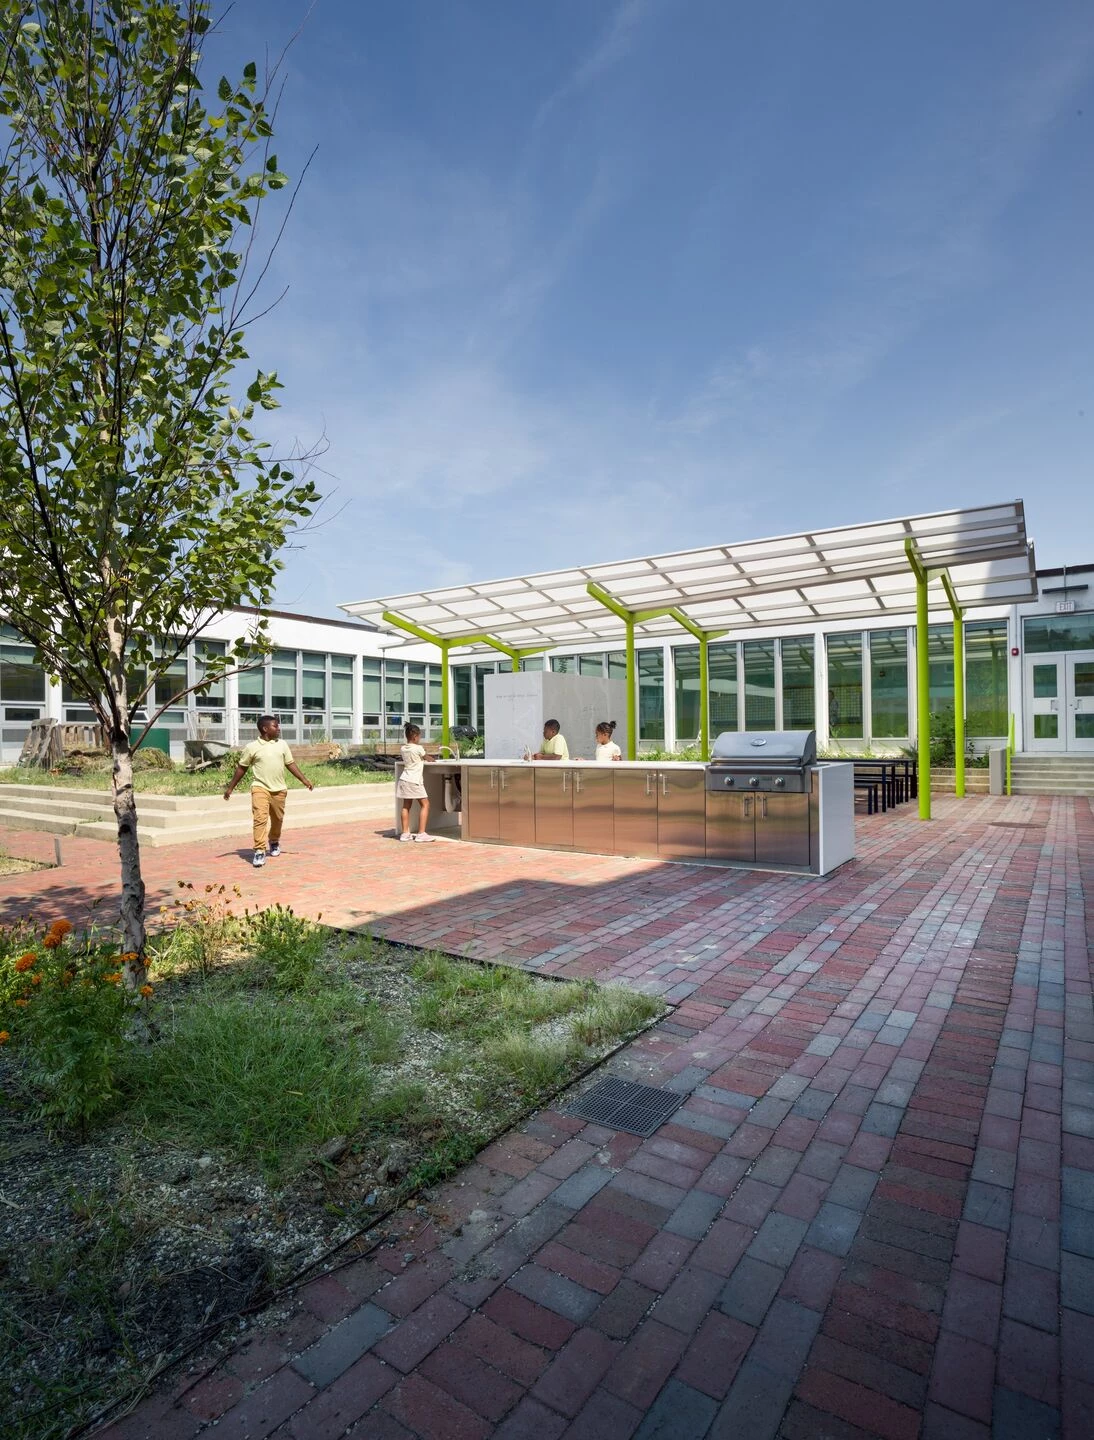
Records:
x=516, y=805
x=758, y=827
x=554, y=806
x=480, y=802
x=731, y=826
x=681, y=813
x=782, y=829
x=592, y=803
x=635, y=811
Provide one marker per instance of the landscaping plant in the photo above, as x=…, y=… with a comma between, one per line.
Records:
x=138, y=502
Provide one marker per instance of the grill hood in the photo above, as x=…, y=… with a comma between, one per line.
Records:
x=765, y=747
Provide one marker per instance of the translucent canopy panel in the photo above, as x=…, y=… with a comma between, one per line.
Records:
x=854, y=572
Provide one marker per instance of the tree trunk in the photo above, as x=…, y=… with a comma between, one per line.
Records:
x=129, y=852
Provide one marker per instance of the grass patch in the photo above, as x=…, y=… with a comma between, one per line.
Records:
x=302, y=1083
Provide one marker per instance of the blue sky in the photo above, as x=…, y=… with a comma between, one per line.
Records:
x=572, y=280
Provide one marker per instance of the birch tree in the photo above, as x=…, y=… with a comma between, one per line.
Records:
x=135, y=498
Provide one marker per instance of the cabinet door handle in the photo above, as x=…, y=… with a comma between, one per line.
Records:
x=577, y=782
x=763, y=806
x=501, y=777
x=565, y=785
x=493, y=779
x=748, y=807
x=664, y=783
x=649, y=777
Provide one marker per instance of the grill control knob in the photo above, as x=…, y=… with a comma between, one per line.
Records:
x=729, y=781
x=753, y=781
x=779, y=782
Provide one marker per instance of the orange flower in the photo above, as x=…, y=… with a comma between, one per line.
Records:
x=4, y=1037
x=128, y=957
x=52, y=941
x=114, y=978
x=60, y=927
x=146, y=990
x=25, y=962
x=36, y=979
x=21, y=1001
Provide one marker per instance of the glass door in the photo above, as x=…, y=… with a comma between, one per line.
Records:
x=1079, y=714
x=1046, y=686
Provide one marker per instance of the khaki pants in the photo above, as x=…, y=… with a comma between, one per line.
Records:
x=267, y=815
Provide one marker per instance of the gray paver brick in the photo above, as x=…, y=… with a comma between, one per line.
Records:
x=678, y=1413
x=686, y=1080
x=882, y=1119
x=750, y=1290
x=813, y=1104
x=776, y=1164
x=853, y=1187
x=1077, y=1230
x=834, y=1228
x=778, y=1239
x=754, y=1406
x=1077, y=1187
x=565, y=1297
x=1077, y=1283
x=345, y=1343
x=582, y=1185
x=987, y=1205
x=693, y=1216
x=1015, y=1416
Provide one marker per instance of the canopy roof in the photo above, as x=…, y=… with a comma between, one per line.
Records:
x=853, y=572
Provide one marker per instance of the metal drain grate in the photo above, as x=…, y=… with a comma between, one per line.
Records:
x=623, y=1105
x=1017, y=824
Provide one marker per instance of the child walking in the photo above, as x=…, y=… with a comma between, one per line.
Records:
x=411, y=785
x=267, y=758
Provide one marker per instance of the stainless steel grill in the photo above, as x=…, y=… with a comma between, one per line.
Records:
x=769, y=760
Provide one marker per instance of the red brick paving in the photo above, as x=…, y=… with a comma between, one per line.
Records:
x=873, y=1215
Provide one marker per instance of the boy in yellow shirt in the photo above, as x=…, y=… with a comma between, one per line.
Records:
x=267, y=758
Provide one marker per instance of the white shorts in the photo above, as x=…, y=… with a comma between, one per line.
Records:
x=410, y=790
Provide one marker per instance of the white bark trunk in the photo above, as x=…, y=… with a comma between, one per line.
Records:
x=132, y=906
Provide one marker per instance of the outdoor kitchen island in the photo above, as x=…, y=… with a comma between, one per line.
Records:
x=793, y=815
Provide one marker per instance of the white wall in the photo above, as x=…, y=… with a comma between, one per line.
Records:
x=518, y=704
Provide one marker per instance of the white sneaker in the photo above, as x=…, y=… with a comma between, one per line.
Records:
x=422, y=836
x=274, y=850
x=259, y=859
x=406, y=835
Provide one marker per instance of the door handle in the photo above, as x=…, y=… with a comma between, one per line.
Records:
x=577, y=782
x=763, y=807
x=565, y=786
x=649, y=776
x=493, y=779
x=747, y=808
x=501, y=777
x=664, y=783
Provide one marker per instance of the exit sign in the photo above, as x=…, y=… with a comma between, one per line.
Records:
x=1065, y=607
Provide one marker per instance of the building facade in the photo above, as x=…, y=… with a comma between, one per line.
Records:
x=853, y=684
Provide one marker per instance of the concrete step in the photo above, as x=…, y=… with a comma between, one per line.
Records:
x=176, y=819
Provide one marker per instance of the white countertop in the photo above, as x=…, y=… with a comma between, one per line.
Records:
x=584, y=764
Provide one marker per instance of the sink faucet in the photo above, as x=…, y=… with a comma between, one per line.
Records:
x=453, y=750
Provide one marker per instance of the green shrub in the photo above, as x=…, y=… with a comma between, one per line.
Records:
x=206, y=927
x=286, y=945
x=149, y=758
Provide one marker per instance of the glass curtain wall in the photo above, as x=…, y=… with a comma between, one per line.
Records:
x=372, y=700
x=685, y=664
x=889, y=683
x=844, y=685
x=313, y=693
x=651, y=695
x=759, y=661
x=798, y=682
x=341, y=697
x=986, y=708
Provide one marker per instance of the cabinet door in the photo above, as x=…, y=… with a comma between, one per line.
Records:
x=554, y=806
x=593, y=827
x=782, y=829
x=681, y=814
x=480, y=799
x=635, y=811
x=731, y=825
x=516, y=805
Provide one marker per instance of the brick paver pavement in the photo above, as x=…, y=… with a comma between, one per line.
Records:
x=873, y=1215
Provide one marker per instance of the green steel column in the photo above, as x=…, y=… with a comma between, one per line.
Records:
x=704, y=698
x=959, y=702
x=923, y=695
x=446, y=738
x=516, y=662
x=632, y=707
